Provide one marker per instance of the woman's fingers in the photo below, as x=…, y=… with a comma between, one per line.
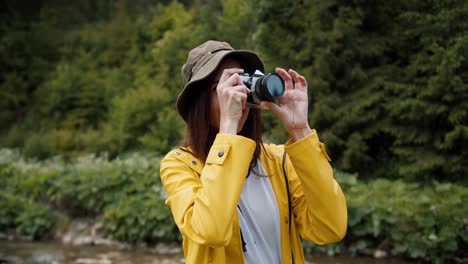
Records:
x=234, y=89
x=272, y=106
x=288, y=82
x=230, y=76
x=292, y=79
x=237, y=93
x=240, y=88
x=298, y=79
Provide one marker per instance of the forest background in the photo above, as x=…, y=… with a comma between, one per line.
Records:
x=388, y=92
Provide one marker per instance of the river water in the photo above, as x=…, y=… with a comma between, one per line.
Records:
x=53, y=252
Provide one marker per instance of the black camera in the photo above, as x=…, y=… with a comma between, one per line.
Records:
x=263, y=87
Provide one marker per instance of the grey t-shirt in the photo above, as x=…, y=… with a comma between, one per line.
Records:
x=259, y=219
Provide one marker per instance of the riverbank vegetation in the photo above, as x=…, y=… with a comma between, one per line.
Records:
x=388, y=80
x=388, y=91
x=405, y=219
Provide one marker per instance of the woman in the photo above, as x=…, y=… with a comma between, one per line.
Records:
x=233, y=198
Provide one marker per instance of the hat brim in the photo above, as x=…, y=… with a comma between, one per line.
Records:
x=250, y=62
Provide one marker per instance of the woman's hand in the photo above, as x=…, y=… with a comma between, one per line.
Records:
x=293, y=107
x=232, y=98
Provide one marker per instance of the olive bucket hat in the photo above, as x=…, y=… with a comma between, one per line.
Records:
x=203, y=60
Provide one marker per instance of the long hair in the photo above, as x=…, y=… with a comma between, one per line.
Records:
x=201, y=135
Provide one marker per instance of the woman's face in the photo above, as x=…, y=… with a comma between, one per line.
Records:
x=215, y=114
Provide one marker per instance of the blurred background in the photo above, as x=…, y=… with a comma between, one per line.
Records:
x=87, y=110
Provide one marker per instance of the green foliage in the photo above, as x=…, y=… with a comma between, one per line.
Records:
x=68, y=141
x=138, y=113
x=166, y=133
x=20, y=212
x=27, y=54
x=39, y=145
x=418, y=221
x=8, y=212
x=14, y=137
x=425, y=221
x=387, y=80
x=93, y=183
x=34, y=221
x=429, y=98
x=337, y=46
x=119, y=190
x=29, y=218
x=125, y=220
x=388, y=94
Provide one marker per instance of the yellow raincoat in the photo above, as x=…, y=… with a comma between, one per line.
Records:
x=203, y=197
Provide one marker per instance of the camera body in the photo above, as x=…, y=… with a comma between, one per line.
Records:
x=269, y=87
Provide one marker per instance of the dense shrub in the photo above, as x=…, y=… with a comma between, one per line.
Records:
x=388, y=80
x=26, y=217
x=418, y=221
x=39, y=145
x=413, y=220
x=34, y=221
x=125, y=221
x=91, y=183
x=119, y=189
x=8, y=212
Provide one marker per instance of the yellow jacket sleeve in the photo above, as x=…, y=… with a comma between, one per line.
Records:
x=319, y=205
x=204, y=204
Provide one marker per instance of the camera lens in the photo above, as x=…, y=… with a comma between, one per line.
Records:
x=270, y=87
x=275, y=85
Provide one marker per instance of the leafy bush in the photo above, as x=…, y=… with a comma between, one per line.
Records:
x=119, y=189
x=8, y=212
x=89, y=183
x=70, y=142
x=14, y=138
x=413, y=220
x=28, y=177
x=125, y=220
x=137, y=114
x=408, y=219
x=39, y=145
x=34, y=221
x=29, y=218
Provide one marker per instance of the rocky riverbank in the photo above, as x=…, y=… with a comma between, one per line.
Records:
x=83, y=241
x=55, y=252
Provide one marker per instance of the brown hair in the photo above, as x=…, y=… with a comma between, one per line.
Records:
x=201, y=135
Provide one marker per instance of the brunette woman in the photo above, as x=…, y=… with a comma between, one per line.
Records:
x=234, y=198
